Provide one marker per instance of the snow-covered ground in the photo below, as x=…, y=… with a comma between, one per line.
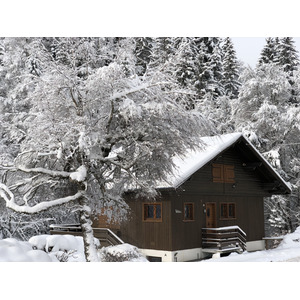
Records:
x=288, y=250
x=62, y=248
x=69, y=248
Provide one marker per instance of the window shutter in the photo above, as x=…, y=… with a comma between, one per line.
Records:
x=218, y=173
x=229, y=174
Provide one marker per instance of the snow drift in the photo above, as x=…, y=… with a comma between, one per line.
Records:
x=62, y=248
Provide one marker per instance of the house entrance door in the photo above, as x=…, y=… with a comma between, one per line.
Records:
x=211, y=218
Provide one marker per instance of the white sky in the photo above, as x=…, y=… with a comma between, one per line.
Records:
x=248, y=49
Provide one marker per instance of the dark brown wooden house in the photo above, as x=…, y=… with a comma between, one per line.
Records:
x=213, y=203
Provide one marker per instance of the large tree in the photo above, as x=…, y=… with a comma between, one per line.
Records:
x=92, y=132
x=231, y=74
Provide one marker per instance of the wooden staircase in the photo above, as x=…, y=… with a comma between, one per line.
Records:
x=106, y=236
x=223, y=240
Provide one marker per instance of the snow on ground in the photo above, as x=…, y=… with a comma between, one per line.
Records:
x=17, y=251
x=62, y=248
x=288, y=250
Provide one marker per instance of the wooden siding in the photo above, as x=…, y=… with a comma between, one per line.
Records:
x=147, y=235
x=173, y=233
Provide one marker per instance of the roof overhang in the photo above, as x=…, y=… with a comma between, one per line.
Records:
x=193, y=161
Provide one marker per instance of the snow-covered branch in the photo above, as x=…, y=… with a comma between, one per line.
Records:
x=9, y=198
x=51, y=173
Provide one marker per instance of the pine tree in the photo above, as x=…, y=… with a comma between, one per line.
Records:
x=231, y=71
x=268, y=53
x=185, y=68
x=289, y=60
x=288, y=55
x=209, y=66
x=216, y=65
x=143, y=51
x=162, y=50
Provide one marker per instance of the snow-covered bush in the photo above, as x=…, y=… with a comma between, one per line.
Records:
x=12, y=250
x=66, y=248
x=121, y=253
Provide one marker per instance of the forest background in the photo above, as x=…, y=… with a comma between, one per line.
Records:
x=226, y=94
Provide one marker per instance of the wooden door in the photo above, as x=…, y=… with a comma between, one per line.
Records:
x=211, y=219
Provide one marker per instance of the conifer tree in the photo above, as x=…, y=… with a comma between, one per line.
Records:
x=162, y=49
x=185, y=69
x=231, y=72
x=268, y=53
x=289, y=60
x=209, y=66
x=288, y=55
x=143, y=49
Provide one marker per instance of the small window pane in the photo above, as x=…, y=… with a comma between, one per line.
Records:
x=158, y=211
x=150, y=210
x=188, y=211
x=231, y=210
x=224, y=210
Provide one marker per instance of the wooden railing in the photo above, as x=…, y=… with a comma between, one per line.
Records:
x=224, y=239
x=104, y=235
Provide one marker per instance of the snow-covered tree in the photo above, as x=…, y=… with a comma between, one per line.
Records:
x=186, y=68
x=209, y=68
x=90, y=138
x=162, y=50
x=269, y=52
x=263, y=98
x=287, y=55
x=143, y=52
x=231, y=74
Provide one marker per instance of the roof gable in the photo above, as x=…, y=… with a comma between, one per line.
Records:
x=214, y=146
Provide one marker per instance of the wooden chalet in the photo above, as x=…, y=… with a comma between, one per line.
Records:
x=213, y=203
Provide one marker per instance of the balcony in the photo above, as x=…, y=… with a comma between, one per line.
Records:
x=223, y=240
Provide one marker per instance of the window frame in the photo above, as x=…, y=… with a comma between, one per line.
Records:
x=227, y=217
x=193, y=211
x=154, y=219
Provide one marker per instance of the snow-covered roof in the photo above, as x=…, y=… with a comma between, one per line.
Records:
x=194, y=160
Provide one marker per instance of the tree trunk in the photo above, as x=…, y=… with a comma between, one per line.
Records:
x=90, y=250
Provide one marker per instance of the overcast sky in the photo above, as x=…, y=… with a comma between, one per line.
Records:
x=248, y=49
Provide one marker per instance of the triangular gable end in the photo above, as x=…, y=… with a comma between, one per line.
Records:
x=215, y=146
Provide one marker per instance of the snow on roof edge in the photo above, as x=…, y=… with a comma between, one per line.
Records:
x=226, y=141
x=220, y=143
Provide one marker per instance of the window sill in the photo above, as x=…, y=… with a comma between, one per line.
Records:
x=153, y=221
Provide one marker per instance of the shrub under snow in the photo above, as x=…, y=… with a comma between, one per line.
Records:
x=61, y=248
x=121, y=253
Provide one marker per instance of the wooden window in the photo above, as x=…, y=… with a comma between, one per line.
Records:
x=223, y=173
x=227, y=211
x=152, y=212
x=188, y=211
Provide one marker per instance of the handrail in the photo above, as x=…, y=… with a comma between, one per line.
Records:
x=224, y=238
x=110, y=233
x=100, y=233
